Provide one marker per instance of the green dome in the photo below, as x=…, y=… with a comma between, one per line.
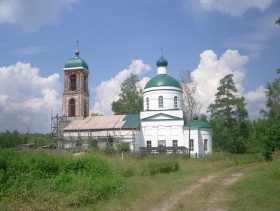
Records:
x=162, y=80
x=162, y=62
x=76, y=62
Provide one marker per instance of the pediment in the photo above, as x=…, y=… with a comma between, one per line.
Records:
x=161, y=117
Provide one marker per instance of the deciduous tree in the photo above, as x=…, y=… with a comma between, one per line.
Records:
x=130, y=99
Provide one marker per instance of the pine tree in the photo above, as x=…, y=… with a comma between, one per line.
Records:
x=229, y=117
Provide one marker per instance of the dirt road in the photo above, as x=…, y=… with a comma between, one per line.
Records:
x=207, y=193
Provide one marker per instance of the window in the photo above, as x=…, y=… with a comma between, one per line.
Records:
x=175, y=143
x=85, y=83
x=149, y=143
x=85, y=109
x=73, y=80
x=205, y=144
x=160, y=102
x=191, y=145
x=175, y=102
x=71, y=107
x=147, y=103
x=161, y=143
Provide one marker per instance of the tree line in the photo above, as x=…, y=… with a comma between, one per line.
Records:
x=13, y=139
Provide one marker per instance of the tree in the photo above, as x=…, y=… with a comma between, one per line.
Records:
x=273, y=100
x=229, y=117
x=228, y=106
x=277, y=21
x=272, y=140
x=130, y=99
x=191, y=105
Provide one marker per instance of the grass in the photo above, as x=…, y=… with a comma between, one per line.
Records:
x=39, y=180
x=260, y=191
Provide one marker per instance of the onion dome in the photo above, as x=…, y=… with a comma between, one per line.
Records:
x=162, y=80
x=162, y=62
x=76, y=62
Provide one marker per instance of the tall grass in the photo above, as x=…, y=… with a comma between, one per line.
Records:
x=29, y=176
x=148, y=165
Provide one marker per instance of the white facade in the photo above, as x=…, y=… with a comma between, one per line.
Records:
x=162, y=121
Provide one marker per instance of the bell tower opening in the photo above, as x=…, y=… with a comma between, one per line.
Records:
x=71, y=107
x=73, y=82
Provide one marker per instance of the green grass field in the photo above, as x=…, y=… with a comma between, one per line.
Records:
x=60, y=181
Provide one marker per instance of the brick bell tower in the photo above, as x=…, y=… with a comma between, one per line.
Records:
x=75, y=101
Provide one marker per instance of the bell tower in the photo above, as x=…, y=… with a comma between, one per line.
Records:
x=75, y=100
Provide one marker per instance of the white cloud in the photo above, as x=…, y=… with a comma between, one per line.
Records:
x=108, y=91
x=235, y=8
x=26, y=98
x=212, y=69
x=256, y=95
x=33, y=14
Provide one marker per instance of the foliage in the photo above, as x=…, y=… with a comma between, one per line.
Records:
x=130, y=99
x=159, y=166
x=12, y=139
x=273, y=100
x=277, y=21
x=27, y=177
x=94, y=144
x=231, y=129
x=272, y=140
x=228, y=106
x=123, y=147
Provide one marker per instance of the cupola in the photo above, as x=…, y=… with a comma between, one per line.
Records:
x=76, y=62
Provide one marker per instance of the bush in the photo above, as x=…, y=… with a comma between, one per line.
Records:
x=26, y=176
x=123, y=147
x=157, y=166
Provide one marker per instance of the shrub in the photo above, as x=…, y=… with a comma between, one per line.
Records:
x=157, y=166
x=26, y=176
x=123, y=147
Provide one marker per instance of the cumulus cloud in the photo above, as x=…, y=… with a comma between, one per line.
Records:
x=235, y=8
x=108, y=91
x=33, y=14
x=26, y=98
x=212, y=69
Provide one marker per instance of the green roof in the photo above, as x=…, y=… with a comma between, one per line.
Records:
x=162, y=62
x=131, y=121
x=162, y=80
x=76, y=62
x=197, y=124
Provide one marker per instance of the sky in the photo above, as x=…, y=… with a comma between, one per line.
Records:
x=210, y=38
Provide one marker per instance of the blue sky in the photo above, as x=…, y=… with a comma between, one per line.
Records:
x=211, y=38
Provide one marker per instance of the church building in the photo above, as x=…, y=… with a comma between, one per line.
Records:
x=161, y=126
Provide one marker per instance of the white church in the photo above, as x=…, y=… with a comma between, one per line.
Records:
x=160, y=127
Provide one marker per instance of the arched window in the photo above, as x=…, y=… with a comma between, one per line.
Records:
x=175, y=102
x=85, y=83
x=147, y=103
x=85, y=109
x=160, y=102
x=71, y=107
x=73, y=82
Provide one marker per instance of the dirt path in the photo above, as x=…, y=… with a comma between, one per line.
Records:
x=208, y=193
